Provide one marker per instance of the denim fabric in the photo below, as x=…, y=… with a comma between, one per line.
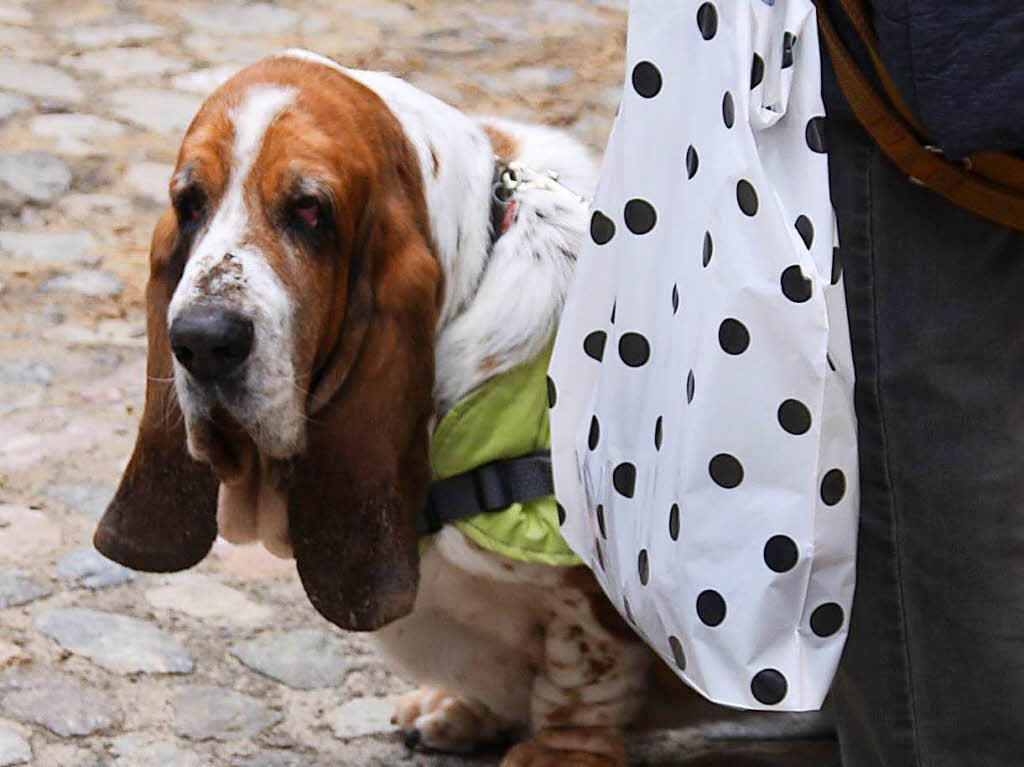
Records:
x=933, y=671
x=960, y=66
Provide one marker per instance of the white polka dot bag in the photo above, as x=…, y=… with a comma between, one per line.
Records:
x=703, y=432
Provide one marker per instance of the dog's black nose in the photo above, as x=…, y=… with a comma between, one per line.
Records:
x=211, y=342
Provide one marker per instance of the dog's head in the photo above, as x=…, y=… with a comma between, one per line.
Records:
x=291, y=304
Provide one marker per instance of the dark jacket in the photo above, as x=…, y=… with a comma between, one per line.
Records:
x=960, y=65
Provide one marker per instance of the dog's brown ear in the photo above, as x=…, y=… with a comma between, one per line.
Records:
x=163, y=516
x=356, y=493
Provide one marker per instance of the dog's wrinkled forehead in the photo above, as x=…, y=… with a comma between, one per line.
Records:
x=225, y=261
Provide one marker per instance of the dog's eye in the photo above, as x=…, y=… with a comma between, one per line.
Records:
x=189, y=206
x=305, y=212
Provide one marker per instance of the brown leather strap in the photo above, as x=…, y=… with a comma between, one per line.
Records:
x=989, y=184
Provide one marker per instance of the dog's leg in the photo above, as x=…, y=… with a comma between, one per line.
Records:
x=473, y=642
x=592, y=683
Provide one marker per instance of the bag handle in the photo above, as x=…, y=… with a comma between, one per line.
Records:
x=989, y=184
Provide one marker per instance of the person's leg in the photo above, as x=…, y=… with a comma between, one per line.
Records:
x=933, y=671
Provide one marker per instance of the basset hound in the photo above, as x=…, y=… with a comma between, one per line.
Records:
x=325, y=286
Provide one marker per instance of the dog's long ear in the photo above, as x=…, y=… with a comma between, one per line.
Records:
x=163, y=516
x=357, y=491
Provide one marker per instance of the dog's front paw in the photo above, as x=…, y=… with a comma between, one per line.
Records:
x=570, y=747
x=437, y=719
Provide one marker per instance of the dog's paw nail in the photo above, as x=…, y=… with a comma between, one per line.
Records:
x=413, y=738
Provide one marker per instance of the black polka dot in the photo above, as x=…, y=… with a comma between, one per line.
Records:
x=600, y=521
x=692, y=161
x=708, y=247
x=690, y=383
x=831, y=364
x=675, y=299
x=646, y=79
x=746, y=196
x=593, y=344
x=629, y=613
x=624, y=479
x=634, y=349
x=756, y=71
x=602, y=228
x=640, y=216
x=788, y=39
x=769, y=686
x=600, y=554
x=707, y=20
x=795, y=286
x=806, y=230
x=837, y=266
x=710, y=607
x=614, y=304
x=794, y=416
x=561, y=513
x=595, y=433
x=673, y=522
x=815, y=134
x=552, y=393
x=657, y=434
x=780, y=553
x=833, y=487
x=677, y=652
x=827, y=619
x=643, y=566
x=726, y=470
x=733, y=336
x=728, y=110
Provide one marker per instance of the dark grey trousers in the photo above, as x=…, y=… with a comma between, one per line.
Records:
x=933, y=671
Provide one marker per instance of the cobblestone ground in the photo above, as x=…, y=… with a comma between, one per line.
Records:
x=228, y=664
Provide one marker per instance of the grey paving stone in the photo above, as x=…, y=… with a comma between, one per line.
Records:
x=88, y=497
x=154, y=109
x=92, y=570
x=273, y=759
x=14, y=14
x=564, y=12
x=18, y=587
x=381, y=13
x=32, y=177
x=38, y=80
x=76, y=134
x=14, y=749
x=228, y=49
x=25, y=371
x=11, y=104
x=304, y=659
x=95, y=283
x=140, y=749
x=125, y=63
x=213, y=713
x=150, y=179
x=78, y=247
x=117, y=32
x=363, y=716
x=58, y=702
x=118, y=643
x=204, y=81
x=236, y=19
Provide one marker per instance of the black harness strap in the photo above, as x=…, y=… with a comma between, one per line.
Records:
x=491, y=487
